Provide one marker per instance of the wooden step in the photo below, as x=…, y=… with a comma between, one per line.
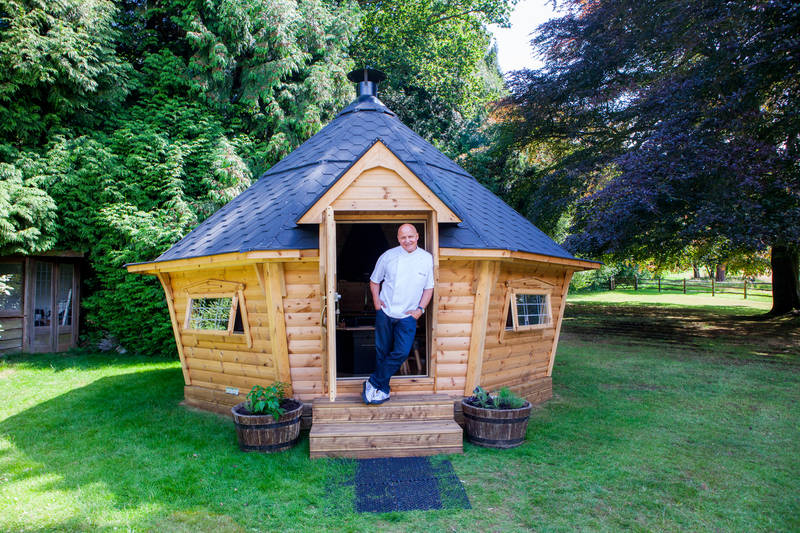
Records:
x=385, y=438
x=404, y=426
x=352, y=409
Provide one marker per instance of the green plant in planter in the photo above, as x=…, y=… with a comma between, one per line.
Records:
x=502, y=399
x=267, y=399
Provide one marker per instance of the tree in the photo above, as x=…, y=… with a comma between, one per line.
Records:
x=139, y=119
x=441, y=70
x=682, y=123
x=27, y=214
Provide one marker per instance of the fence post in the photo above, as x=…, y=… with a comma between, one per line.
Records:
x=745, y=289
x=684, y=285
x=659, y=283
x=712, y=286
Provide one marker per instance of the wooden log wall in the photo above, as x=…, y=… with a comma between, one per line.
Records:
x=10, y=334
x=522, y=360
x=303, y=312
x=519, y=360
x=456, y=294
x=214, y=362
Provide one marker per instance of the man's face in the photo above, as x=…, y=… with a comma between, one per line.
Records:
x=407, y=236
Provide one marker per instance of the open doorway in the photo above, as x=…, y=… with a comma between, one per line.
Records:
x=358, y=247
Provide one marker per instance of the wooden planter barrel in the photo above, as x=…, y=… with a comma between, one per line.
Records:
x=262, y=433
x=495, y=428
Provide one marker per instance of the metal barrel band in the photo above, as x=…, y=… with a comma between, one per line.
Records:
x=268, y=426
x=268, y=447
x=479, y=440
x=495, y=420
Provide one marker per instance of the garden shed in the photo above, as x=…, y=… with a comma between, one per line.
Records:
x=39, y=297
x=274, y=286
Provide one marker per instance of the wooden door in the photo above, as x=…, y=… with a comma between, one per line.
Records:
x=54, y=301
x=331, y=298
x=42, y=318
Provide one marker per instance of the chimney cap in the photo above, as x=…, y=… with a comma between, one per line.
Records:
x=366, y=74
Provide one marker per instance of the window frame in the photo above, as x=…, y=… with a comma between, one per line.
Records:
x=17, y=313
x=513, y=293
x=219, y=289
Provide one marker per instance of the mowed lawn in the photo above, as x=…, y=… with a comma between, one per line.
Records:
x=645, y=432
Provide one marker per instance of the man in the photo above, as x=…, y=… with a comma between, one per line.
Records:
x=407, y=275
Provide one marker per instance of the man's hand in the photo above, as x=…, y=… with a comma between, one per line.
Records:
x=416, y=313
x=379, y=304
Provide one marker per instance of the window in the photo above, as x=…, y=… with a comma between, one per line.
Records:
x=10, y=288
x=211, y=313
x=528, y=310
x=217, y=307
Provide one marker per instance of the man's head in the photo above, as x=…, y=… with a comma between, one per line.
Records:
x=407, y=236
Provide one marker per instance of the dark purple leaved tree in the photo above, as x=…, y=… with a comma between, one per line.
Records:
x=684, y=127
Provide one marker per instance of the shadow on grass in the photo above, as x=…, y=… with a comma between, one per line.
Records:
x=126, y=437
x=78, y=359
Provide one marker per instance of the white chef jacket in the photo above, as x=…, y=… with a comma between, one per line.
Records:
x=404, y=275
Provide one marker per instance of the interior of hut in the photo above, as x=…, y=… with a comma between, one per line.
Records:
x=358, y=247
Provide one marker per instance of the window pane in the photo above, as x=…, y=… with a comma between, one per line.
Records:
x=10, y=286
x=210, y=313
x=531, y=309
x=65, y=295
x=41, y=298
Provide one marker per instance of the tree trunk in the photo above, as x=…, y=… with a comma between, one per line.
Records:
x=785, y=261
x=721, y=270
x=695, y=271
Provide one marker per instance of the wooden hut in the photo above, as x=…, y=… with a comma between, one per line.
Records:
x=39, y=297
x=274, y=286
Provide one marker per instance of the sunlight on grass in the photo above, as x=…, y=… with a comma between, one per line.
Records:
x=636, y=437
x=756, y=304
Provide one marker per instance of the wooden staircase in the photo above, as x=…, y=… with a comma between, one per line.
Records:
x=405, y=426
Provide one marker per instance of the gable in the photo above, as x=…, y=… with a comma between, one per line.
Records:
x=378, y=181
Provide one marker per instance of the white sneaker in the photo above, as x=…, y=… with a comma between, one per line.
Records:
x=378, y=396
x=367, y=392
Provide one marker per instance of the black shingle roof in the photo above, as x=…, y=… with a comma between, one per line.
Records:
x=263, y=216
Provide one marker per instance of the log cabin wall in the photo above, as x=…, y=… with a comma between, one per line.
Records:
x=302, y=305
x=522, y=360
x=214, y=362
x=456, y=295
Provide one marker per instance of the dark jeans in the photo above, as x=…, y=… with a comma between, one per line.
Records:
x=393, y=340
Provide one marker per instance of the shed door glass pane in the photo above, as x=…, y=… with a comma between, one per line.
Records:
x=65, y=295
x=10, y=286
x=41, y=300
x=531, y=309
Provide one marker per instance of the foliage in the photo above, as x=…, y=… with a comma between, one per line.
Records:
x=126, y=124
x=27, y=214
x=267, y=399
x=678, y=126
x=502, y=399
x=57, y=65
x=441, y=69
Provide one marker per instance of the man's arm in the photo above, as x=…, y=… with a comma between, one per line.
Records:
x=375, y=289
x=423, y=303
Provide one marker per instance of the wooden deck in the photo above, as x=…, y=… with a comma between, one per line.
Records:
x=405, y=426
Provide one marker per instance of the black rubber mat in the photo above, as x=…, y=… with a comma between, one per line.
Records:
x=407, y=484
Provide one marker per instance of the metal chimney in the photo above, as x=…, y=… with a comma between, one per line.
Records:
x=367, y=80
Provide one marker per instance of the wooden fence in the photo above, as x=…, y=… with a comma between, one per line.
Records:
x=694, y=286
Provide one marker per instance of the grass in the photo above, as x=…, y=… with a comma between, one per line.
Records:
x=722, y=303
x=643, y=437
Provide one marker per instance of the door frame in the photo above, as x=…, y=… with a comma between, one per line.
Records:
x=328, y=282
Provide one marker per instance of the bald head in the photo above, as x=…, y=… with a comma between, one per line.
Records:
x=407, y=236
